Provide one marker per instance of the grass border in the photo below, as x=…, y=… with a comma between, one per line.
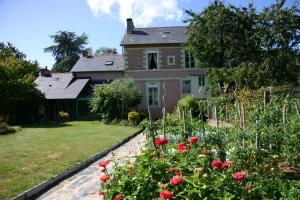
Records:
x=43, y=187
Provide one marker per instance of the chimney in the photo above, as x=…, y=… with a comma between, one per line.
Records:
x=45, y=72
x=130, y=26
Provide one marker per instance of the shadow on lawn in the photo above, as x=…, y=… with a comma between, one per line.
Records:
x=47, y=125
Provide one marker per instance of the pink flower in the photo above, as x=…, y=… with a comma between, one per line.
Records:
x=193, y=139
x=248, y=187
x=176, y=180
x=161, y=141
x=104, y=163
x=118, y=197
x=165, y=194
x=182, y=148
x=239, y=175
x=164, y=186
x=216, y=164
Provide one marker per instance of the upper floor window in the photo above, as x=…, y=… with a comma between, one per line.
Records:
x=152, y=60
x=189, y=59
x=171, y=60
x=201, y=80
x=186, y=86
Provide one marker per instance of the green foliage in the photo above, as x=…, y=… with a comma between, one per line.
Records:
x=106, y=51
x=67, y=49
x=133, y=118
x=63, y=116
x=255, y=48
x=18, y=96
x=115, y=100
x=189, y=103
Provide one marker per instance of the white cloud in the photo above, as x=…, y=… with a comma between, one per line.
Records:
x=143, y=11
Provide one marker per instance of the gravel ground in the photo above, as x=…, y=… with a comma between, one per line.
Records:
x=85, y=184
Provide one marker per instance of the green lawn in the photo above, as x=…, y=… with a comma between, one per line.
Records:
x=37, y=152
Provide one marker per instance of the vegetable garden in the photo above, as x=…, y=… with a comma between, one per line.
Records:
x=255, y=156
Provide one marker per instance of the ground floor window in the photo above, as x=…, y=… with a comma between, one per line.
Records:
x=153, y=95
x=201, y=80
x=186, y=86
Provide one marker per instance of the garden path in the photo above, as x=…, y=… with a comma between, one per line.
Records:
x=85, y=184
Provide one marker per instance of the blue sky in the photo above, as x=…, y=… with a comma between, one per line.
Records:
x=28, y=23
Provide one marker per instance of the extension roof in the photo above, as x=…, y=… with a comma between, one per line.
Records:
x=101, y=63
x=156, y=35
x=60, y=86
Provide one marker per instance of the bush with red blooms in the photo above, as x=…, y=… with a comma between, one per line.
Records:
x=161, y=141
x=165, y=194
x=193, y=139
x=239, y=175
x=176, y=180
x=182, y=148
x=103, y=163
x=104, y=178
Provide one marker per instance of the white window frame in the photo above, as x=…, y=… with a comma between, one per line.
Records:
x=153, y=85
x=190, y=55
x=147, y=61
x=202, y=82
x=168, y=60
x=186, y=93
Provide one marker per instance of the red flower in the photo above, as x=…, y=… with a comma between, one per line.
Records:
x=101, y=193
x=216, y=164
x=204, y=152
x=132, y=172
x=104, y=178
x=118, y=197
x=104, y=163
x=239, y=175
x=102, y=169
x=161, y=141
x=165, y=194
x=178, y=172
x=182, y=148
x=200, y=169
x=176, y=180
x=248, y=187
x=193, y=139
x=227, y=164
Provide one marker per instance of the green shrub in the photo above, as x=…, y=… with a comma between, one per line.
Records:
x=189, y=103
x=115, y=100
x=6, y=129
x=63, y=116
x=133, y=118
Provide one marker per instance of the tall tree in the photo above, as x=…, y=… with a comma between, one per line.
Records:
x=18, y=96
x=220, y=36
x=106, y=51
x=67, y=49
x=257, y=47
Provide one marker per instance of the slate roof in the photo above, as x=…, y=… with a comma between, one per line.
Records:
x=156, y=35
x=97, y=64
x=60, y=86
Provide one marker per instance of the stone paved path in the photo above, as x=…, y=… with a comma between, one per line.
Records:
x=85, y=184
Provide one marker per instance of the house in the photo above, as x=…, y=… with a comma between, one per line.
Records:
x=156, y=58
x=70, y=92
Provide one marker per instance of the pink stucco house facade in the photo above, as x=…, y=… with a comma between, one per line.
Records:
x=158, y=60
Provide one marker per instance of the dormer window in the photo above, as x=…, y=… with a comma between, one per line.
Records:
x=107, y=63
x=152, y=60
